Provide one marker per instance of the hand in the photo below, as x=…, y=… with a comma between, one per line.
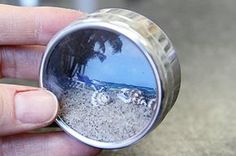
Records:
x=24, y=32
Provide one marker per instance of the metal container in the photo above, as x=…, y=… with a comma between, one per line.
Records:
x=123, y=52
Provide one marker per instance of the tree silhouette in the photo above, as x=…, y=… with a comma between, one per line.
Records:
x=79, y=47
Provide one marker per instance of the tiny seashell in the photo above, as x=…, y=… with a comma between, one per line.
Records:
x=100, y=98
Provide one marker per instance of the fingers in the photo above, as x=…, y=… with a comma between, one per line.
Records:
x=35, y=26
x=51, y=144
x=25, y=108
x=20, y=61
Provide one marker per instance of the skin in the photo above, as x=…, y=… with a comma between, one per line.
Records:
x=24, y=34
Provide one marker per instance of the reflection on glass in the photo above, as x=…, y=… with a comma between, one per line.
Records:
x=105, y=84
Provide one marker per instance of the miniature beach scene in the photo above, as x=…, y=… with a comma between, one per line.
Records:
x=105, y=85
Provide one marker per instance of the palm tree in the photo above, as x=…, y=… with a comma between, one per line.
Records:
x=90, y=44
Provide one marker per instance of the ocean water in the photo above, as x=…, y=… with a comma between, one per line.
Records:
x=70, y=83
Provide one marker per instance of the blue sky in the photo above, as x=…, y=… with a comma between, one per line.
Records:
x=129, y=67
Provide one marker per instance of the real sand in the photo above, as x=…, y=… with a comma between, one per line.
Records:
x=113, y=122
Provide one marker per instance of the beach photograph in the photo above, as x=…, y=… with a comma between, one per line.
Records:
x=105, y=84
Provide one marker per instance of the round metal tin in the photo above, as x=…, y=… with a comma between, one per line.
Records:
x=149, y=39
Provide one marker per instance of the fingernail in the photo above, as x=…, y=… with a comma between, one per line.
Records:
x=35, y=107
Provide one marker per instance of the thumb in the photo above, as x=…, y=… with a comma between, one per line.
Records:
x=25, y=108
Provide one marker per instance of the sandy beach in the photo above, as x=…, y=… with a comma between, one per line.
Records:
x=113, y=122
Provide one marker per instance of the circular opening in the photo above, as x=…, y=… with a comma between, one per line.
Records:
x=104, y=83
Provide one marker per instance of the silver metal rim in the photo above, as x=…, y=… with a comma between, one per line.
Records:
x=134, y=37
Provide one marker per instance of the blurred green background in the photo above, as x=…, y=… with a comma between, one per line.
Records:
x=203, y=121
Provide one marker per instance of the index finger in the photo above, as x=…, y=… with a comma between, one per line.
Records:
x=32, y=25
